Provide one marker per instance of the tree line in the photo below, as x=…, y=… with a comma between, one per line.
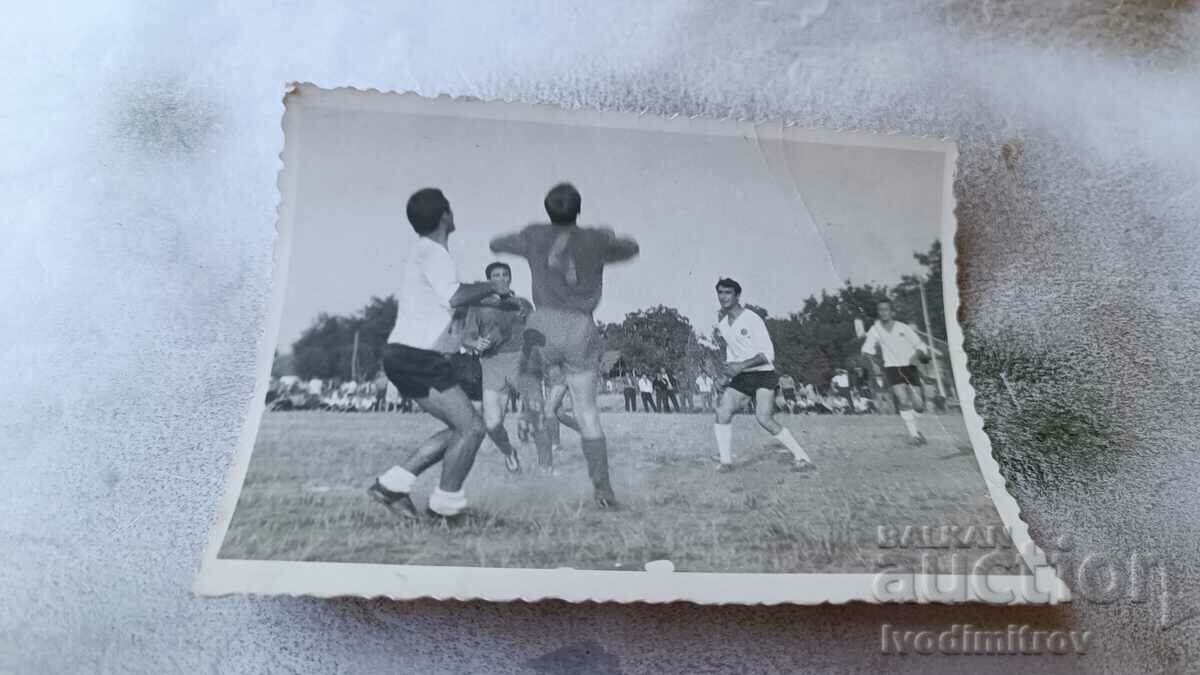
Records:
x=810, y=343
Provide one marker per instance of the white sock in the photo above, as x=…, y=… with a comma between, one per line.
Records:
x=447, y=503
x=398, y=479
x=910, y=421
x=724, y=433
x=785, y=436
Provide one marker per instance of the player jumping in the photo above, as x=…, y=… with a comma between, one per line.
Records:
x=749, y=373
x=566, y=263
x=415, y=360
x=497, y=333
x=901, y=347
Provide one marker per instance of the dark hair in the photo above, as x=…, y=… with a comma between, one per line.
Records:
x=487, y=273
x=884, y=301
x=725, y=282
x=426, y=208
x=563, y=203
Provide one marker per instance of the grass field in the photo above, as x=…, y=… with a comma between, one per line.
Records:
x=304, y=496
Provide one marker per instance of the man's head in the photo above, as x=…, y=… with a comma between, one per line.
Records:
x=428, y=209
x=884, y=310
x=563, y=204
x=499, y=272
x=729, y=292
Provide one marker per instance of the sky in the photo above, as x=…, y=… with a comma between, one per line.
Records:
x=786, y=219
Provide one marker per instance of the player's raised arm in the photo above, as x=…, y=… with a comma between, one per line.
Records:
x=513, y=243
x=621, y=249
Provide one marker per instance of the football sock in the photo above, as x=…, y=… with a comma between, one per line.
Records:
x=398, y=479
x=724, y=434
x=447, y=503
x=910, y=421
x=499, y=436
x=595, y=451
x=785, y=436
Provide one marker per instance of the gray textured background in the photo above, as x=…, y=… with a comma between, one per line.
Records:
x=138, y=166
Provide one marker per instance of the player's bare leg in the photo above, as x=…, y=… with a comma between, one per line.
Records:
x=536, y=414
x=595, y=446
x=555, y=415
x=455, y=446
x=392, y=488
x=730, y=402
x=429, y=452
x=494, y=406
x=764, y=413
x=917, y=392
x=453, y=407
x=907, y=414
x=456, y=410
x=565, y=418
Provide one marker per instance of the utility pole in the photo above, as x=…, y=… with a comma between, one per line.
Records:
x=937, y=368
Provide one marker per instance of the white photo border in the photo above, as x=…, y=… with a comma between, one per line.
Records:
x=222, y=576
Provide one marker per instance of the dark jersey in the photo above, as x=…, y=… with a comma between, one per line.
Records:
x=566, y=262
x=503, y=324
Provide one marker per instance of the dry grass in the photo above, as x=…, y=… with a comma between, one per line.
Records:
x=304, y=496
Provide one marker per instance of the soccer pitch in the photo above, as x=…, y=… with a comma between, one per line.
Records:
x=304, y=495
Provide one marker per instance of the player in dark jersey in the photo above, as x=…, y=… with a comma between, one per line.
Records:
x=567, y=263
x=496, y=332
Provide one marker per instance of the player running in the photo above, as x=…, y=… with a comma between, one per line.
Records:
x=497, y=334
x=567, y=263
x=415, y=360
x=902, y=348
x=748, y=374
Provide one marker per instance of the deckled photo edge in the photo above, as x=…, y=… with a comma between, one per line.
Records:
x=220, y=577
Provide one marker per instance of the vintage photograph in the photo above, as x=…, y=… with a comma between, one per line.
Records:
x=510, y=338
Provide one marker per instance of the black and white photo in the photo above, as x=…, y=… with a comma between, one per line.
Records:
x=523, y=352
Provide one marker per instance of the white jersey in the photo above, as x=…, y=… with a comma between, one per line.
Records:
x=746, y=338
x=899, y=344
x=423, y=311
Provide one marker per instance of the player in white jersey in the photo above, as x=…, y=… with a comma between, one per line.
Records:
x=415, y=360
x=748, y=373
x=902, y=348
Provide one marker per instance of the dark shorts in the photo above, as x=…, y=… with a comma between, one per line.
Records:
x=789, y=395
x=562, y=342
x=417, y=371
x=750, y=381
x=902, y=375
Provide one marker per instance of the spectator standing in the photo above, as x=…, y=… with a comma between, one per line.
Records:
x=646, y=388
